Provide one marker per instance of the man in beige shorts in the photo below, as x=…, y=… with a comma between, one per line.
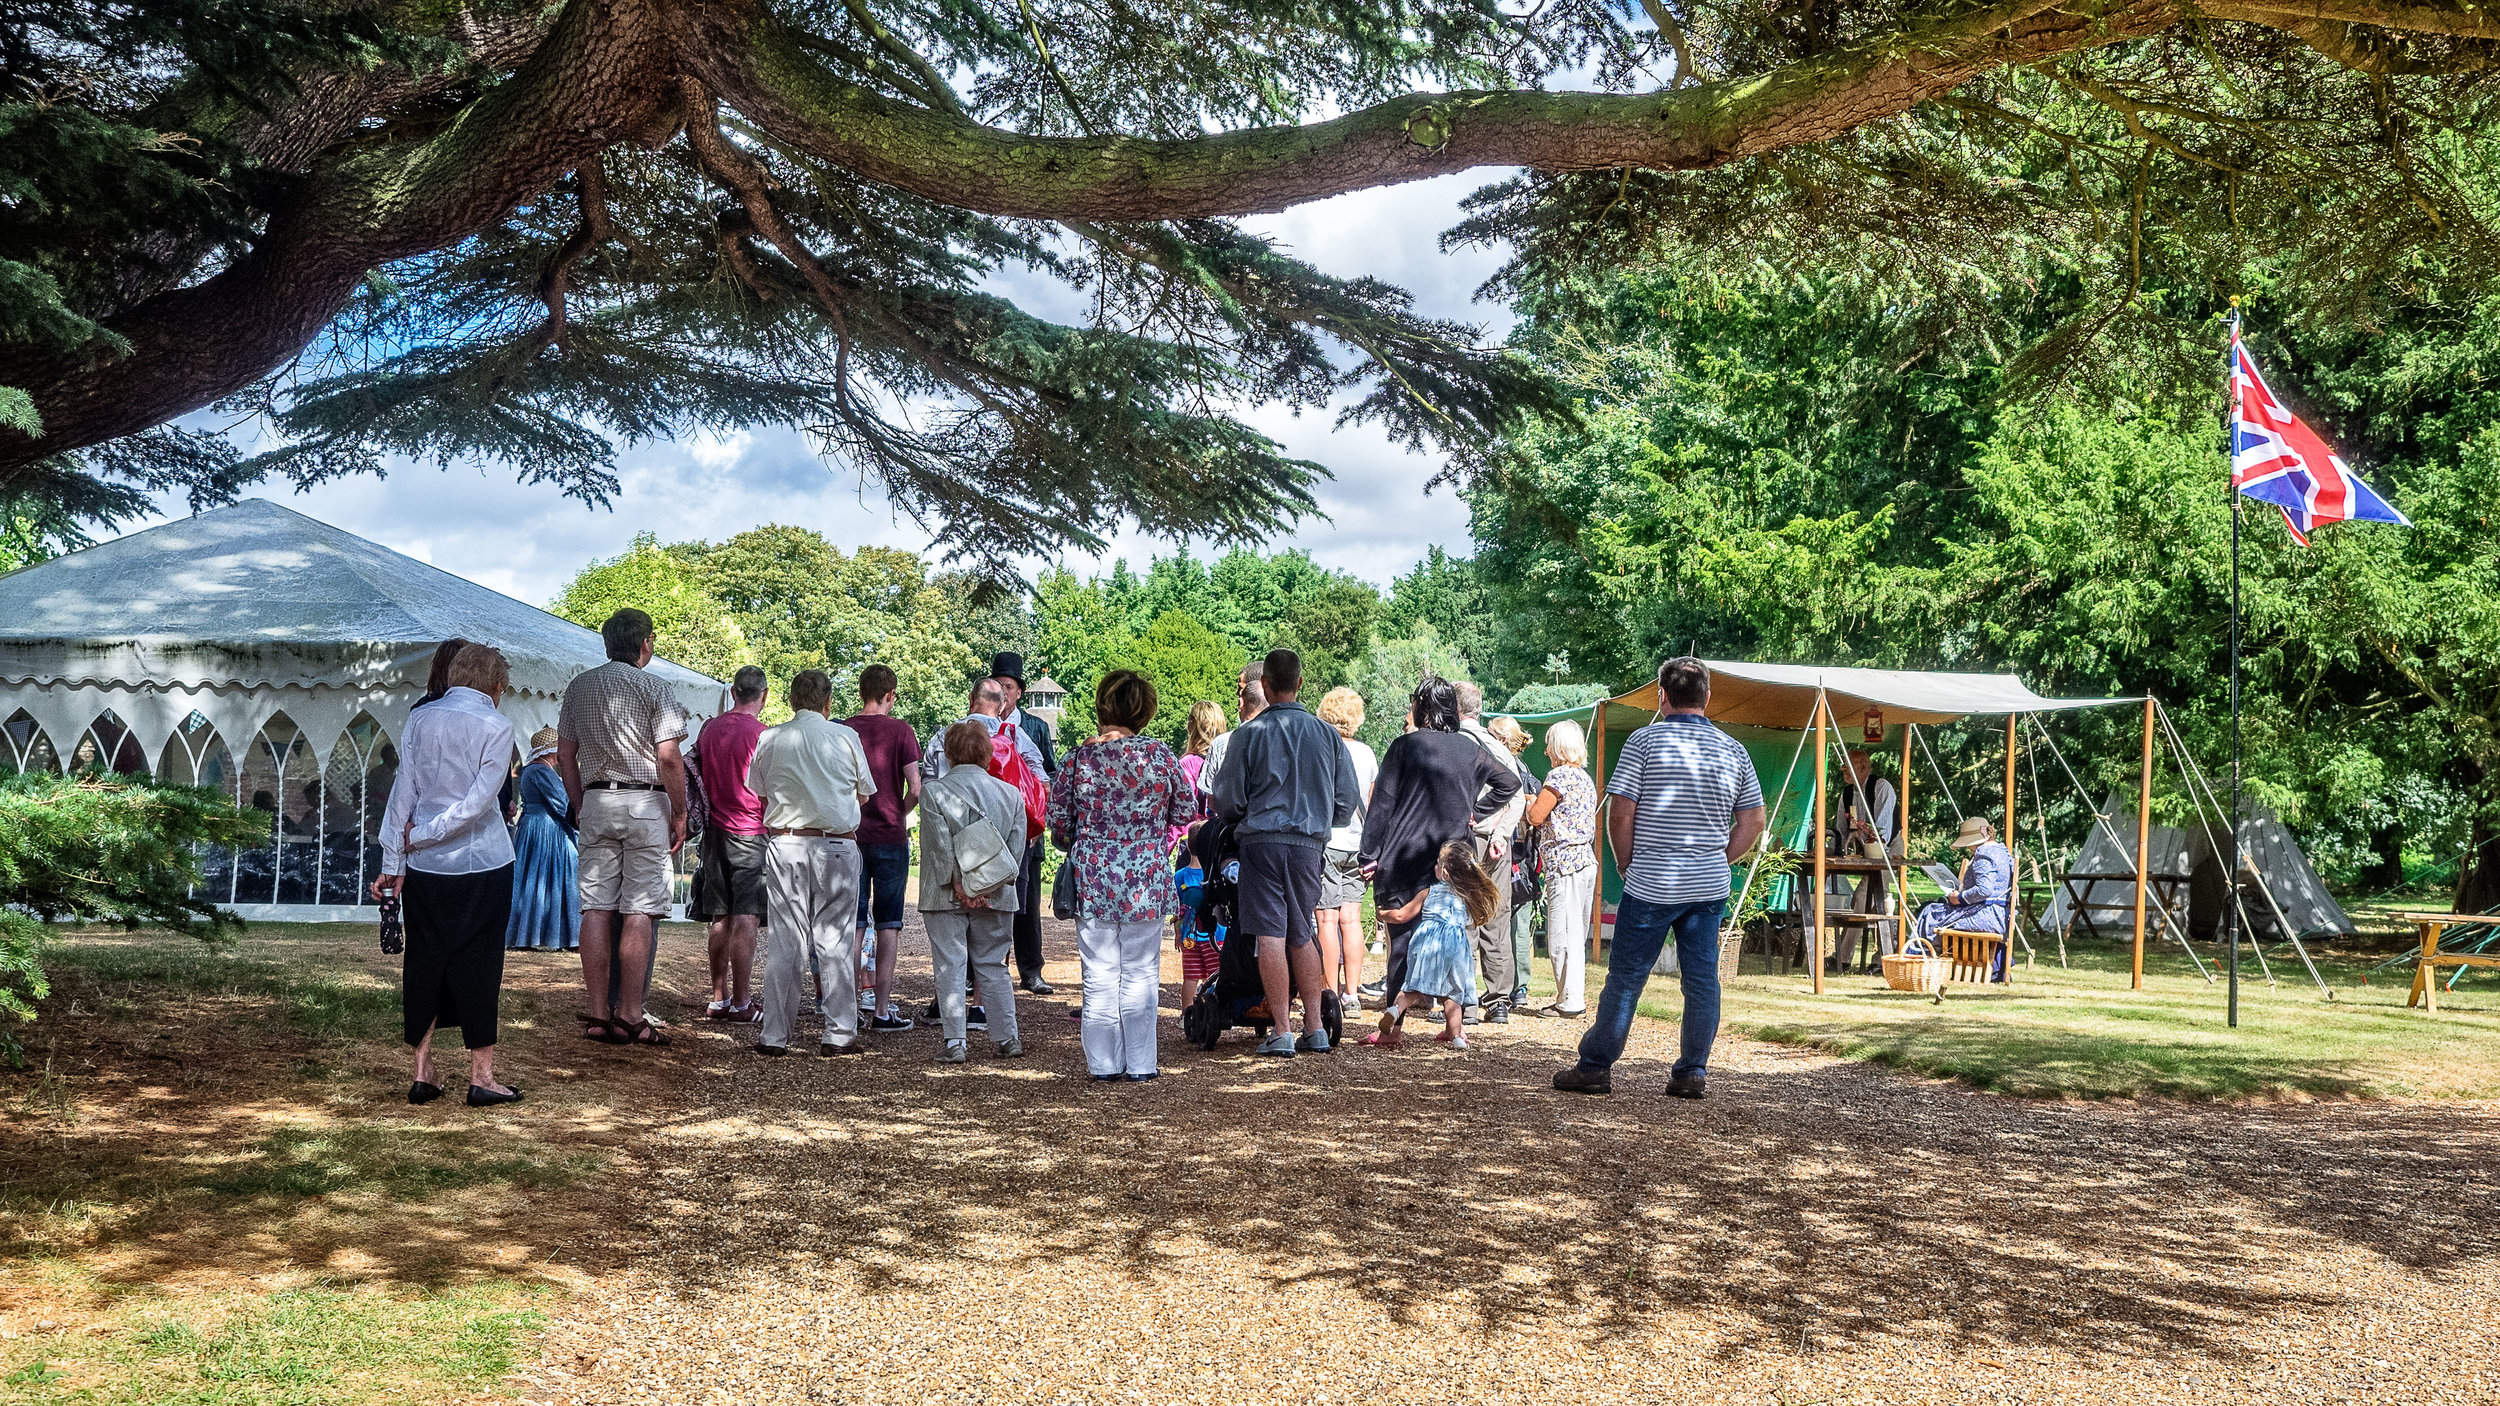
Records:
x=618, y=740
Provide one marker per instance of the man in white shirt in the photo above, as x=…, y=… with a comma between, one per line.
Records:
x=1492, y=938
x=1868, y=805
x=813, y=774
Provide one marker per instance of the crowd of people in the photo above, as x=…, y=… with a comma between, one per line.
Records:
x=803, y=831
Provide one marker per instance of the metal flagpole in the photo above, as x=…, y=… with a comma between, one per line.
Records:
x=2231, y=822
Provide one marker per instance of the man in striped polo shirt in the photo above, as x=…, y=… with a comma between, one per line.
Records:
x=1682, y=804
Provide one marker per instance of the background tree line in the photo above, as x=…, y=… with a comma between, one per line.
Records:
x=1815, y=467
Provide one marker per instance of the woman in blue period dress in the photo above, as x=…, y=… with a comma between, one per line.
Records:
x=546, y=895
x=1978, y=901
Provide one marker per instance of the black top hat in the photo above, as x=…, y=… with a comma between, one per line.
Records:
x=1008, y=666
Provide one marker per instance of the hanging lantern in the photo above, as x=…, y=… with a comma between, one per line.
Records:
x=1874, y=724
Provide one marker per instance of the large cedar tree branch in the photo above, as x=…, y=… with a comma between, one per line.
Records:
x=607, y=72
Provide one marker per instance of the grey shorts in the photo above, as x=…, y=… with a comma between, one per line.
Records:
x=1341, y=879
x=1280, y=891
x=730, y=884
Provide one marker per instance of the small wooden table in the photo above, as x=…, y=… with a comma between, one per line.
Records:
x=1845, y=866
x=2426, y=970
x=2165, y=895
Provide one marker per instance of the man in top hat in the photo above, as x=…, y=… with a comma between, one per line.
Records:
x=1981, y=898
x=1008, y=669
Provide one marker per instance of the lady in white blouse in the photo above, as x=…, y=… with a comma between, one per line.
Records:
x=446, y=853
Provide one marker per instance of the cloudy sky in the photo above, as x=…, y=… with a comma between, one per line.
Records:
x=527, y=542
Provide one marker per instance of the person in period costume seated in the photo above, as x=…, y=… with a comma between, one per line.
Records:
x=1978, y=901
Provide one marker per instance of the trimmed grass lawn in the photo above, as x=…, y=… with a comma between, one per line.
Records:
x=2081, y=1033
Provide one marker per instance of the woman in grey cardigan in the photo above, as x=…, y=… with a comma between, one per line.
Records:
x=971, y=849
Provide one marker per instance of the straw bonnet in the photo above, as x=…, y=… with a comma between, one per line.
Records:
x=1974, y=834
x=542, y=741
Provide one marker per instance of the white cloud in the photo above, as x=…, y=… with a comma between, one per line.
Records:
x=528, y=541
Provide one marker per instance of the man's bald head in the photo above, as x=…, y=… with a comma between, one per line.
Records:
x=989, y=699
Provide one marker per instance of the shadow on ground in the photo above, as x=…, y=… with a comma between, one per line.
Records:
x=1806, y=1196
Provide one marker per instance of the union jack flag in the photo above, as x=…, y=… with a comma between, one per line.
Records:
x=2277, y=459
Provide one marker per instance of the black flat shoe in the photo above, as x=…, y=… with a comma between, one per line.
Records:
x=420, y=1091
x=1037, y=986
x=488, y=1098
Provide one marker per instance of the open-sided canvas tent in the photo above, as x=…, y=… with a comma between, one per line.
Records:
x=1768, y=706
x=256, y=650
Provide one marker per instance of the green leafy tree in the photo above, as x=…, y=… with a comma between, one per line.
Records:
x=1388, y=674
x=529, y=233
x=1448, y=594
x=691, y=625
x=1184, y=660
x=109, y=849
x=1554, y=697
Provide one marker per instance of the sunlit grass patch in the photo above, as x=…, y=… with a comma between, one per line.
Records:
x=301, y=1347
x=2080, y=1032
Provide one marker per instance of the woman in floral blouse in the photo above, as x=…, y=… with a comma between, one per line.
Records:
x=1567, y=809
x=1112, y=809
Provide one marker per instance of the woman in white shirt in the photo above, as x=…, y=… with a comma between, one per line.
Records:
x=1341, y=883
x=447, y=855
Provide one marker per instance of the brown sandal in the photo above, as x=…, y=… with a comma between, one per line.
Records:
x=644, y=1033
x=605, y=1031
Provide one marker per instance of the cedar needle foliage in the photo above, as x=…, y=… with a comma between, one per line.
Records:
x=92, y=848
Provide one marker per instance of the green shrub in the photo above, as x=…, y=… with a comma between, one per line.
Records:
x=109, y=849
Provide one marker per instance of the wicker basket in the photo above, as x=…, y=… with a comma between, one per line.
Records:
x=1915, y=971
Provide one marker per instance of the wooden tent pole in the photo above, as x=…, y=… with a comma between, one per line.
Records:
x=1822, y=761
x=1597, y=842
x=2013, y=850
x=1901, y=831
x=2143, y=843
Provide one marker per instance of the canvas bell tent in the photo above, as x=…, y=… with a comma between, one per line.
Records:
x=257, y=651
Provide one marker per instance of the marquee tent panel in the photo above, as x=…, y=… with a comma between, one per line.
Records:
x=258, y=595
x=276, y=658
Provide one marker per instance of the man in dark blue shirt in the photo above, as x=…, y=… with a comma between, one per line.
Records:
x=1287, y=780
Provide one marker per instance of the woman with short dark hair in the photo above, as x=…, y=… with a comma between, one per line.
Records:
x=446, y=854
x=1434, y=784
x=1112, y=809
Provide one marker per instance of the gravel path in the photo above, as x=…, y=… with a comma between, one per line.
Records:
x=1443, y=1225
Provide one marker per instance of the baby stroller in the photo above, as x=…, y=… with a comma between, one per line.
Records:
x=1235, y=996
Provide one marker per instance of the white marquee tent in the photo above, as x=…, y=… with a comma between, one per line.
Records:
x=254, y=649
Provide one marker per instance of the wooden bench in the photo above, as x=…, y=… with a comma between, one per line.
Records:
x=1974, y=954
x=2426, y=968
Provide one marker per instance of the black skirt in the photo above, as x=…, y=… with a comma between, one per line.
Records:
x=453, y=972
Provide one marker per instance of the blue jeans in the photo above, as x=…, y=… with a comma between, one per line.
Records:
x=1641, y=932
x=884, y=870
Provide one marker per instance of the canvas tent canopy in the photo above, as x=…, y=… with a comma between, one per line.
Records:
x=1771, y=708
x=256, y=650
x=1767, y=706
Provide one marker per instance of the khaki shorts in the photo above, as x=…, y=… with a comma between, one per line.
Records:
x=624, y=844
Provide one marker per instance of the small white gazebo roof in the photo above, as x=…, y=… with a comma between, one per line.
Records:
x=255, y=594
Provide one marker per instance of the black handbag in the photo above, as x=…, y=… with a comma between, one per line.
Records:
x=1527, y=868
x=392, y=941
x=1063, y=888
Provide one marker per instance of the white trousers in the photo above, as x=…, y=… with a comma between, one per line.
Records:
x=1567, y=900
x=811, y=907
x=981, y=937
x=1123, y=988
